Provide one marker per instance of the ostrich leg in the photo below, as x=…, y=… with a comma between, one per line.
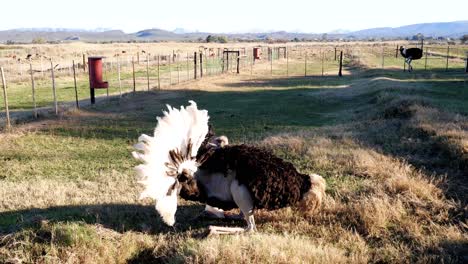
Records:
x=243, y=199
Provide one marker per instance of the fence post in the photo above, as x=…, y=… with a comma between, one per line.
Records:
x=53, y=87
x=5, y=99
x=201, y=65
x=396, y=51
x=287, y=63
x=134, y=78
x=323, y=57
x=466, y=63
x=195, y=65
x=33, y=87
x=84, y=62
x=238, y=63
x=448, y=52
x=335, y=53
x=76, y=88
x=305, y=65
x=425, y=61
x=340, y=71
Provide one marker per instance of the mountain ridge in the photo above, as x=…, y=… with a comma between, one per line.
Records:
x=453, y=29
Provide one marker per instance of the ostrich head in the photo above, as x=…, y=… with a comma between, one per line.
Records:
x=401, y=48
x=183, y=167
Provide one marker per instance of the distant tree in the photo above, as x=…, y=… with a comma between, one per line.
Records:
x=39, y=40
x=222, y=39
x=418, y=36
x=324, y=37
x=210, y=38
x=10, y=42
x=464, y=39
x=296, y=39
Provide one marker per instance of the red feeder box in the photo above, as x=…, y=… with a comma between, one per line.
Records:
x=257, y=53
x=95, y=76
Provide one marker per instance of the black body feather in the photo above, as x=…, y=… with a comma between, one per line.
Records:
x=272, y=182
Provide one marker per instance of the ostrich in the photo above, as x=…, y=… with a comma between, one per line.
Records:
x=180, y=160
x=411, y=54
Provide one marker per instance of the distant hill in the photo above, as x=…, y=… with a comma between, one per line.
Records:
x=26, y=36
x=439, y=29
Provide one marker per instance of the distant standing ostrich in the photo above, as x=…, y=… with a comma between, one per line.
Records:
x=411, y=54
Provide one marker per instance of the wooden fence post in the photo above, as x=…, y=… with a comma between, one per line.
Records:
x=238, y=63
x=76, y=87
x=84, y=62
x=340, y=71
x=33, y=87
x=305, y=65
x=466, y=63
x=53, y=87
x=195, y=65
x=201, y=65
x=396, y=51
x=448, y=53
x=425, y=60
x=134, y=78
x=5, y=99
x=335, y=53
x=287, y=63
x=323, y=58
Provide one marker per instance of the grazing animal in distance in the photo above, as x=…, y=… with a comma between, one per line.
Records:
x=178, y=161
x=410, y=55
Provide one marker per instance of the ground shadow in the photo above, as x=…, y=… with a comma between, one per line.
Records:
x=118, y=217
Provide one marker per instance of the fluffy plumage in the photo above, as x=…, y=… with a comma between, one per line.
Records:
x=181, y=131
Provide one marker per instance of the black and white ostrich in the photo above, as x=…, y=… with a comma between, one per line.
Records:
x=411, y=54
x=180, y=159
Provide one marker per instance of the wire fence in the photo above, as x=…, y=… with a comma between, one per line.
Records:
x=36, y=84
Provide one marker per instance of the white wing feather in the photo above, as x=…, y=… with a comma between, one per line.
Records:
x=174, y=130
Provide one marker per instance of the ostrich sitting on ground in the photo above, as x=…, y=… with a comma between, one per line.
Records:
x=410, y=55
x=178, y=160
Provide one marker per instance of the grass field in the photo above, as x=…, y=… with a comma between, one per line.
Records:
x=392, y=146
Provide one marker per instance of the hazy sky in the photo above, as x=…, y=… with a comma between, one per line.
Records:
x=227, y=16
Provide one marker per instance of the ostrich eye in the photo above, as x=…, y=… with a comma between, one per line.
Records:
x=184, y=176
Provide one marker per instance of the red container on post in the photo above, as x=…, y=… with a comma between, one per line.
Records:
x=95, y=76
x=257, y=53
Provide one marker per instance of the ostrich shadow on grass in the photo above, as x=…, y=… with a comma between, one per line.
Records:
x=118, y=217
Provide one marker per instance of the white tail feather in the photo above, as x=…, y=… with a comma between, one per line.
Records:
x=174, y=131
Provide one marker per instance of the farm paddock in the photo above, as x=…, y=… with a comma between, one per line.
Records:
x=392, y=146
